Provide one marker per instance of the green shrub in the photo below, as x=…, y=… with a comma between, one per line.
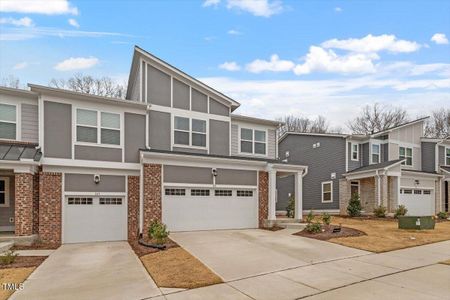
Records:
x=380, y=211
x=309, y=217
x=442, y=215
x=290, y=208
x=326, y=218
x=315, y=227
x=8, y=258
x=354, y=206
x=152, y=227
x=400, y=211
x=158, y=232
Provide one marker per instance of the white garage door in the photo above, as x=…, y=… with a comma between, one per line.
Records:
x=419, y=202
x=95, y=219
x=185, y=209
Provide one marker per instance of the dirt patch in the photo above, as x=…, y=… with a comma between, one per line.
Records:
x=24, y=262
x=327, y=233
x=447, y=262
x=177, y=268
x=273, y=228
x=141, y=250
x=12, y=275
x=36, y=246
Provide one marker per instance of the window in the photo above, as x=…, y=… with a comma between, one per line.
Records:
x=189, y=132
x=355, y=151
x=447, y=156
x=405, y=153
x=88, y=127
x=375, y=153
x=198, y=192
x=4, y=192
x=427, y=192
x=253, y=141
x=111, y=201
x=223, y=193
x=417, y=192
x=175, y=192
x=8, y=122
x=327, y=191
x=407, y=192
x=354, y=187
x=79, y=201
x=244, y=193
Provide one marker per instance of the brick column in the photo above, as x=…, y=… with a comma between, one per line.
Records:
x=263, y=197
x=344, y=195
x=384, y=191
x=36, y=203
x=50, y=193
x=133, y=207
x=438, y=206
x=152, y=195
x=23, y=211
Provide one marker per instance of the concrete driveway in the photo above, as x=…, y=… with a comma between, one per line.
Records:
x=90, y=271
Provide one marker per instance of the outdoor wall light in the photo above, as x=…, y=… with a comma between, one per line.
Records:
x=97, y=179
x=214, y=172
x=417, y=182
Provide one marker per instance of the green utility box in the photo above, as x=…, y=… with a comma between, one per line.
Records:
x=414, y=222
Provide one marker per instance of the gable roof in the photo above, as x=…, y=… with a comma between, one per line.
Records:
x=383, y=165
x=256, y=120
x=399, y=126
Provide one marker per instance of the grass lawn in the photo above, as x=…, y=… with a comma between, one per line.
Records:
x=384, y=235
x=177, y=268
x=12, y=275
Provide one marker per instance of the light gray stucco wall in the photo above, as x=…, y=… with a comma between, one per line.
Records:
x=199, y=101
x=181, y=174
x=8, y=212
x=98, y=153
x=159, y=130
x=30, y=124
x=218, y=108
x=236, y=177
x=85, y=183
x=158, y=87
x=57, y=130
x=219, y=137
x=180, y=95
x=134, y=136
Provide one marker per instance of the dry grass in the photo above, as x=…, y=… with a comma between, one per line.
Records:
x=384, y=235
x=12, y=275
x=447, y=262
x=177, y=268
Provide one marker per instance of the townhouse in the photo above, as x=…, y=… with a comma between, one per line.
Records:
x=393, y=167
x=77, y=168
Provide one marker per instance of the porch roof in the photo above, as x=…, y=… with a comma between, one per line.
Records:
x=445, y=169
x=383, y=165
x=19, y=151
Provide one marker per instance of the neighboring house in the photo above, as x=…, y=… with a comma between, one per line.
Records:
x=78, y=168
x=392, y=167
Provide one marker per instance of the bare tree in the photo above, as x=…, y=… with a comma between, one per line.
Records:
x=103, y=86
x=305, y=124
x=377, y=118
x=438, y=126
x=11, y=81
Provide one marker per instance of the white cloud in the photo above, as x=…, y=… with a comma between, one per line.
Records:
x=439, y=38
x=371, y=44
x=47, y=7
x=321, y=60
x=74, y=23
x=230, y=66
x=259, y=8
x=20, y=66
x=18, y=34
x=76, y=63
x=437, y=68
x=25, y=21
x=234, y=32
x=338, y=9
x=208, y=3
x=274, y=65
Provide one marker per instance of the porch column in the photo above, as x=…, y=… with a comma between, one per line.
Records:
x=384, y=191
x=298, y=177
x=23, y=207
x=272, y=194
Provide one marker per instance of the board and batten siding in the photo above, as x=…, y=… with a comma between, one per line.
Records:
x=271, y=141
x=30, y=123
x=428, y=156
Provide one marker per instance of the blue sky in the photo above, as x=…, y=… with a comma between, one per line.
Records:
x=275, y=57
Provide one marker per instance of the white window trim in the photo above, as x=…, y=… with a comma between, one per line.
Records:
x=379, y=153
x=359, y=186
x=7, y=199
x=406, y=156
x=17, y=122
x=253, y=141
x=445, y=156
x=357, y=151
x=327, y=182
x=99, y=128
x=206, y=147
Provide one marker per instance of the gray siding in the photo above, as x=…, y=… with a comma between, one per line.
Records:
x=384, y=152
x=428, y=156
x=352, y=164
x=190, y=150
x=134, y=136
x=285, y=187
x=218, y=108
x=159, y=130
x=199, y=101
x=219, y=137
x=234, y=139
x=236, y=177
x=98, y=153
x=271, y=143
x=365, y=154
x=85, y=183
x=158, y=87
x=8, y=212
x=180, y=95
x=57, y=130
x=322, y=161
x=441, y=155
x=30, y=124
x=180, y=174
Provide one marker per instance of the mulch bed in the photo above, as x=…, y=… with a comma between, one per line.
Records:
x=327, y=233
x=141, y=250
x=36, y=246
x=273, y=228
x=25, y=262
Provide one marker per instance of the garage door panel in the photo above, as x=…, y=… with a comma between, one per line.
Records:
x=419, y=202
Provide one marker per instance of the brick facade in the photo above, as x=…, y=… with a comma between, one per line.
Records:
x=36, y=203
x=50, y=193
x=344, y=195
x=368, y=190
x=437, y=197
x=263, y=197
x=133, y=207
x=23, y=210
x=152, y=194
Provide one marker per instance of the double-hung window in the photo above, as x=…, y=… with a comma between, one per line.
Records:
x=405, y=153
x=376, y=153
x=253, y=141
x=189, y=132
x=8, y=122
x=327, y=191
x=355, y=151
x=4, y=192
x=91, y=130
x=447, y=156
